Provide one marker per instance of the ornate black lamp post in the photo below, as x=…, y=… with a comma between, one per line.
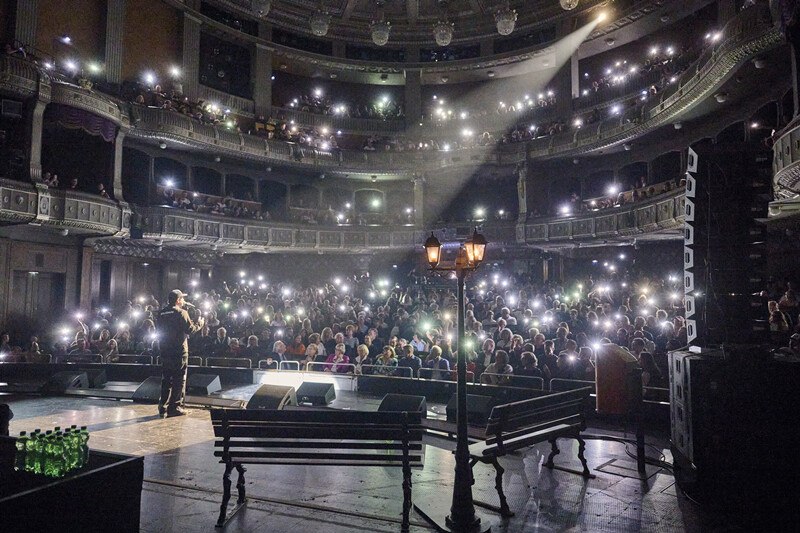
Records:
x=462, y=511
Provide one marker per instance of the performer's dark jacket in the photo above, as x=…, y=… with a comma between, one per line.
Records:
x=174, y=326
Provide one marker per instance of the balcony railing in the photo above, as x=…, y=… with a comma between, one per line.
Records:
x=663, y=213
x=786, y=163
x=85, y=213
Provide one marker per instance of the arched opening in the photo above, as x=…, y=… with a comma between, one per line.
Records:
x=732, y=134
x=135, y=175
x=273, y=198
x=239, y=187
x=207, y=181
x=632, y=176
x=169, y=174
x=78, y=147
x=665, y=167
x=369, y=206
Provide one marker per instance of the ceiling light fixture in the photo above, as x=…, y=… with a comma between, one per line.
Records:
x=320, y=21
x=380, y=27
x=506, y=19
x=443, y=29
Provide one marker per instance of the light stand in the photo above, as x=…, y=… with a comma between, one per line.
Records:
x=462, y=517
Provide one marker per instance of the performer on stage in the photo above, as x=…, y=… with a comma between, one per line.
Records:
x=174, y=327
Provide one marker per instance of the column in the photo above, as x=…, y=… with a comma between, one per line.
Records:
x=262, y=82
x=191, y=55
x=35, y=140
x=257, y=190
x=413, y=98
x=575, y=76
x=117, y=166
x=522, y=192
x=223, y=186
x=115, y=19
x=189, y=178
x=25, y=22
x=419, y=203
x=87, y=257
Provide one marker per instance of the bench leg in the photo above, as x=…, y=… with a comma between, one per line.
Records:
x=406, y=497
x=553, y=452
x=581, y=449
x=226, y=494
x=240, y=484
x=498, y=484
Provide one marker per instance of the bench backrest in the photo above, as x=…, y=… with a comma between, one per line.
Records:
x=526, y=416
x=318, y=437
x=229, y=362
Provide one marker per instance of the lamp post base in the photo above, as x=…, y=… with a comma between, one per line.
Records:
x=439, y=517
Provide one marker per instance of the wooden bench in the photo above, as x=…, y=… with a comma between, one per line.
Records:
x=304, y=437
x=517, y=425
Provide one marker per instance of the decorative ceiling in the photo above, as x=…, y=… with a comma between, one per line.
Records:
x=410, y=21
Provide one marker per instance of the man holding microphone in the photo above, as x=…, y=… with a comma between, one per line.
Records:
x=174, y=327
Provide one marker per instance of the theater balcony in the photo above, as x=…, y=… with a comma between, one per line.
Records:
x=72, y=212
x=658, y=218
x=786, y=173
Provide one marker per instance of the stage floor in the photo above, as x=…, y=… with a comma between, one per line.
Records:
x=182, y=488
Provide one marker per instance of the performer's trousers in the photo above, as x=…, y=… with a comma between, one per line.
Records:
x=173, y=383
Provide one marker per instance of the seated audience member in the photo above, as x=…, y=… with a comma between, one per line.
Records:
x=530, y=366
x=234, y=348
x=337, y=362
x=499, y=372
x=410, y=361
x=110, y=352
x=362, y=358
x=296, y=350
x=219, y=348
x=253, y=351
x=440, y=367
x=386, y=363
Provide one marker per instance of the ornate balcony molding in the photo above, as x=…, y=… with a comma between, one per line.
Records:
x=18, y=76
x=663, y=214
x=171, y=225
x=92, y=101
x=786, y=164
x=23, y=203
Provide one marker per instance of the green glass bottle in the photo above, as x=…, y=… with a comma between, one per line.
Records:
x=84, y=446
x=58, y=456
x=49, y=455
x=22, y=451
x=38, y=452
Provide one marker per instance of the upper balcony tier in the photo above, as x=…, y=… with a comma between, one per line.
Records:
x=91, y=216
x=748, y=35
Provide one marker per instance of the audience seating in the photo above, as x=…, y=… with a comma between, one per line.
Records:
x=135, y=359
x=311, y=437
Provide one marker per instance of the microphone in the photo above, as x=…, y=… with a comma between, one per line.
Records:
x=187, y=304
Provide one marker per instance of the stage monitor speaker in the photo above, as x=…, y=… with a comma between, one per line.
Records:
x=316, y=393
x=478, y=408
x=149, y=391
x=404, y=402
x=203, y=384
x=61, y=381
x=97, y=378
x=272, y=397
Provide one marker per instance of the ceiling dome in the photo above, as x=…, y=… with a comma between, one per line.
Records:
x=411, y=20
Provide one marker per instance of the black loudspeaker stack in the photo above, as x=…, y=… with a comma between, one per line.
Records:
x=203, y=384
x=272, y=397
x=61, y=381
x=316, y=393
x=727, y=192
x=733, y=429
x=404, y=402
x=479, y=408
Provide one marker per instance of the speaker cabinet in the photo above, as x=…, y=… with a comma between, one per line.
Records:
x=149, y=391
x=316, y=393
x=97, y=378
x=203, y=384
x=61, y=381
x=404, y=402
x=272, y=397
x=478, y=408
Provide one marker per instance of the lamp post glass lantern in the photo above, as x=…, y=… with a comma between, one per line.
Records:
x=462, y=511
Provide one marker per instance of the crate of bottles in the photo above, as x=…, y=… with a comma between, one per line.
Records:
x=52, y=453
